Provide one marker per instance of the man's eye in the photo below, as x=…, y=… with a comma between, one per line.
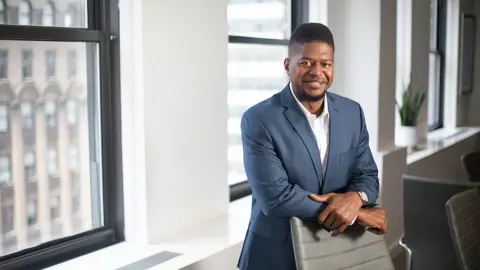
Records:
x=305, y=63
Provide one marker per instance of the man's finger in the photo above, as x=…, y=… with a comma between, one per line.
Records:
x=320, y=198
x=323, y=216
x=330, y=222
x=340, y=230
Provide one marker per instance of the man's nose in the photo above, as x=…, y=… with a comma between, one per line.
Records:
x=316, y=69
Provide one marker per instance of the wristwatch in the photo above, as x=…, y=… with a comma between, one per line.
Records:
x=363, y=197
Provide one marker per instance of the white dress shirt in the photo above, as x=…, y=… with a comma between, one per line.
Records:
x=321, y=127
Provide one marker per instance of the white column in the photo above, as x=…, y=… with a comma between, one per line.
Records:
x=450, y=96
x=174, y=115
x=365, y=71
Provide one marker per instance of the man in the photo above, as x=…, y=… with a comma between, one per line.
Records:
x=301, y=142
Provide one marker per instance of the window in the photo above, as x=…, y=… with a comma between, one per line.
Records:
x=25, y=13
x=32, y=212
x=50, y=57
x=436, y=64
x=4, y=121
x=28, y=115
x=52, y=162
x=3, y=64
x=55, y=207
x=72, y=63
x=3, y=12
x=51, y=113
x=93, y=98
x=27, y=63
x=5, y=174
x=258, y=44
x=48, y=18
x=30, y=165
x=71, y=16
x=7, y=218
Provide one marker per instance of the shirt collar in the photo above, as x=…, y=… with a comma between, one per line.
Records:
x=307, y=113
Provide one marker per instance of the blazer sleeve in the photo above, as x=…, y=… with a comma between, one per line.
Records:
x=365, y=174
x=267, y=177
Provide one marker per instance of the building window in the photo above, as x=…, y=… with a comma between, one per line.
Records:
x=436, y=64
x=29, y=161
x=32, y=212
x=3, y=12
x=71, y=16
x=52, y=162
x=25, y=13
x=7, y=218
x=27, y=64
x=48, y=18
x=103, y=225
x=3, y=64
x=72, y=112
x=72, y=63
x=50, y=57
x=4, y=118
x=258, y=44
x=55, y=207
x=28, y=115
x=51, y=113
x=5, y=171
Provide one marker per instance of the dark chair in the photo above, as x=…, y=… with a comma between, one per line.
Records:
x=427, y=233
x=471, y=165
x=463, y=212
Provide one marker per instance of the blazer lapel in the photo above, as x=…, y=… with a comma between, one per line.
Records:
x=335, y=131
x=300, y=124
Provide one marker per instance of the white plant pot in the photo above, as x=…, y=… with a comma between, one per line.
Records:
x=406, y=136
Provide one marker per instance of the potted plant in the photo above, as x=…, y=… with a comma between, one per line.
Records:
x=409, y=111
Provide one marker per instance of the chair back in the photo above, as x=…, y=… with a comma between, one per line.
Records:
x=463, y=214
x=471, y=165
x=355, y=249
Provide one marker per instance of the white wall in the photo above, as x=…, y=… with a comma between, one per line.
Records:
x=174, y=111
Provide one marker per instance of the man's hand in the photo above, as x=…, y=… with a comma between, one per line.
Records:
x=373, y=219
x=341, y=210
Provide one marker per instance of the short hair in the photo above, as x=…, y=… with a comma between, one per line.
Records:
x=310, y=32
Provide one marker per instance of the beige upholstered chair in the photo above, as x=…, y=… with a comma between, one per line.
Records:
x=463, y=213
x=356, y=249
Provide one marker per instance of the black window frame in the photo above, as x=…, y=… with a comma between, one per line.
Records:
x=299, y=14
x=441, y=31
x=103, y=29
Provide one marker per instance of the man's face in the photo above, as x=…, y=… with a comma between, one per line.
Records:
x=310, y=68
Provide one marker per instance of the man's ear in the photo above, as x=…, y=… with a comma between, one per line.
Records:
x=286, y=65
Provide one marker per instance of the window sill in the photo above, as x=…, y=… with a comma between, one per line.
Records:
x=201, y=242
x=441, y=139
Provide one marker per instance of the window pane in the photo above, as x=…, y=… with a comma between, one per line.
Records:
x=5, y=175
x=255, y=72
x=259, y=18
x=71, y=13
x=50, y=57
x=48, y=15
x=3, y=118
x=42, y=167
x=434, y=90
x=3, y=64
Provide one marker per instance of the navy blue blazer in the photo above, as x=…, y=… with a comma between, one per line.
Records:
x=283, y=166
